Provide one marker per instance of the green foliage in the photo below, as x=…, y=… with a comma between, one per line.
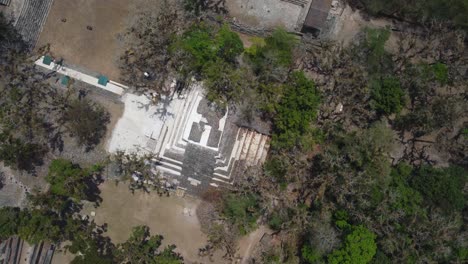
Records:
x=229, y=44
x=223, y=82
x=241, y=211
x=276, y=167
x=9, y=221
x=341, y=218
x=199, y=43
x=387, y=95
x=309, y=255
x=405, y=198
x=442, y=187
x=276, y=219
x=440, y=72
x=464, y=132
x=257, y=44
x=462, y=254
x=212, y=55
x=271, y=54
x=195, y=6
x=359, y=248
x=38, y=225
x=204, y=45
x=378, y=60
x=295, y=112
x=19, y=154
x=69, y=180
x=281, y=44
x=141, y=247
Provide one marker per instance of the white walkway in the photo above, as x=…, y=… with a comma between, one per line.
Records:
x=111, y=86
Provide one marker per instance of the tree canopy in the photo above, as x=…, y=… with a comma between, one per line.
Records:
x=295, y=112
x=359, y=248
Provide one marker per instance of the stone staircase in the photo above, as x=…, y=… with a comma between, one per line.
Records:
x=195, y=165
x=32, y=19
x=170, y=147
x=250, y=148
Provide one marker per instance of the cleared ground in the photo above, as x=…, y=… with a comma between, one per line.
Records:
x=172, y=217
x=265, y=13
x=95, y=49
x=99, y=49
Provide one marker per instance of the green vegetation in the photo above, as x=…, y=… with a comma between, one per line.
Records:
x=275, y=51
x=359, y=248
x=310, y=255
x=385, y=90
x=55, y=216
x=295, y=112
x=241, y=211
x=441, y=187
x=141, y=247
x=355, y=184
x=68, y=179
x=211, y=54
x=18, y=154
x=406, y=198
x=387, y=95
x=378, y=61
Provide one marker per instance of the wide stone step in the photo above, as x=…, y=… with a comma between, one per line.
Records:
x=246, y=145
x=168, y=169
x=253, y=149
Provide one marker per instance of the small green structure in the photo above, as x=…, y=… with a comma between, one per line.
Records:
x=103, y=80
x=47, y=60
x=65, y=80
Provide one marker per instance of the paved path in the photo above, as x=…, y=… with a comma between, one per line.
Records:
x=111, y=86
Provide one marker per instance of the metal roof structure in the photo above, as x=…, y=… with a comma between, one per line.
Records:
x=47, y=60
x=103, y=80
x=318, y=13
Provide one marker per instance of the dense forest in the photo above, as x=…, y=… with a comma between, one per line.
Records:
x=368, y=162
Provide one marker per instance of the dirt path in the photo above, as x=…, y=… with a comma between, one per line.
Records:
x=247, y=243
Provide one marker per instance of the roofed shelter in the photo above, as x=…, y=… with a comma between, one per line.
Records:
x=103, y=80
x=317, y=15
x=47, y=60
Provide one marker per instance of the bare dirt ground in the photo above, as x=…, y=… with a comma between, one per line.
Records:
x=95, y=49
x=265, y=13
x=62, y=258
x=13, y=192
x=99, y=49
x=173, y=217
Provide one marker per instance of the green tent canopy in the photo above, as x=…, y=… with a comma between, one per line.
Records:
x=65, y=80
x=47, y=60
x=103, y=80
